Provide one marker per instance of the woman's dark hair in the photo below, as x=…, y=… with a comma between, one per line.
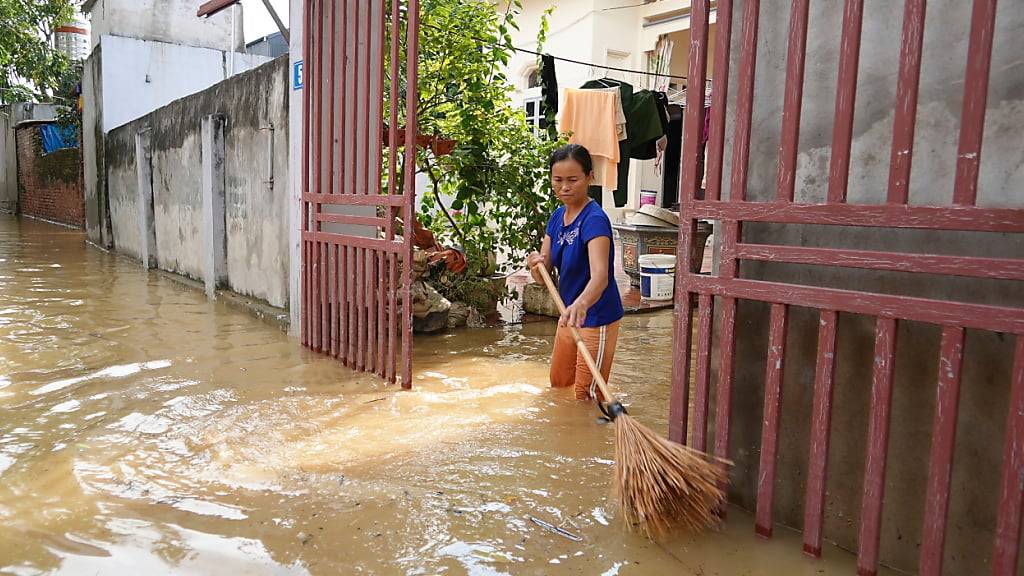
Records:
x=574, y=152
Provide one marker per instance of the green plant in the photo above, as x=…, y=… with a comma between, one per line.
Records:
x=31, y=69
x=491, y=194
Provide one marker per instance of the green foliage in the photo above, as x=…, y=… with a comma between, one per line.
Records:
x=494, y=186
x=31, y=69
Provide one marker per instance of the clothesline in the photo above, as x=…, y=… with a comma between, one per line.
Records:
x=570, y=60
x=602, y=66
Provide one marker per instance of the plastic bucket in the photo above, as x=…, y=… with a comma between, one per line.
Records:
x=648, y=197
x=657, y=276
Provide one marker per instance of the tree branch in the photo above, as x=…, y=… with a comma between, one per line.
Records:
x=437, y=196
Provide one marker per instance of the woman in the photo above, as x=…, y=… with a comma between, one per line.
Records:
x=578, y=243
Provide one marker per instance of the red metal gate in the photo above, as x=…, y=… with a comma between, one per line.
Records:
x=352, y=296
x=728, y=286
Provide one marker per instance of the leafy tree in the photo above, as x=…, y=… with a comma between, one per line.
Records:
x=30, y=67
x=492, y=193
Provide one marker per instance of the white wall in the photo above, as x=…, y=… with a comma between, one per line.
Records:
x=172, y=21
x=607, y=33
x=140, y=76
x=295, y=174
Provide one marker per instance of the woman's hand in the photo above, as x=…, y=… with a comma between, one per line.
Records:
x=533, y=259
x=574, y=315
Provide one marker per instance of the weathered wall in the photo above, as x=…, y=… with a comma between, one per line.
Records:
x=140, y=76
x=49, y=185
x=256, y=210
x=8, y=163
x=92, y=150
x=988, y=355
x=11, y=115
x=172, y=21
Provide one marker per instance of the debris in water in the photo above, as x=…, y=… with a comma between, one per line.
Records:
x=552, y=528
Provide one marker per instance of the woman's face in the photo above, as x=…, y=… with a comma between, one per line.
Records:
x=569, y=182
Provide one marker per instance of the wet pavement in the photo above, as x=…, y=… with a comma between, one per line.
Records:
x=147, y=430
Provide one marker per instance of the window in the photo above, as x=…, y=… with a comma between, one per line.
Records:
x=533, y=79
x=535, y=115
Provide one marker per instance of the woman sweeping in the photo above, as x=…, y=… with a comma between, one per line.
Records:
x=578, y=244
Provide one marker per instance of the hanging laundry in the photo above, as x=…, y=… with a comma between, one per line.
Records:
x=549, y=84
x=621, y=186
x=647, y=123
x=590, y=117
x=620, y=114
x=673, y=153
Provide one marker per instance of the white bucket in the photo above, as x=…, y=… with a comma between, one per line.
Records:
x=657, y=276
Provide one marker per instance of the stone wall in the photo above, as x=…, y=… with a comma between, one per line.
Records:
x=49, y=185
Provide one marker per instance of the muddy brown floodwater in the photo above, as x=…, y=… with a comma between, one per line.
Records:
x=146, y=430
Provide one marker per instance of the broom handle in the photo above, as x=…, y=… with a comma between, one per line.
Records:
x=580, y=345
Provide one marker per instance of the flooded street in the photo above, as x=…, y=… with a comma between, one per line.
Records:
x=147, y=430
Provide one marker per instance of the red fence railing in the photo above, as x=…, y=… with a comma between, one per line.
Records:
x=351, y=254
x=718, y=295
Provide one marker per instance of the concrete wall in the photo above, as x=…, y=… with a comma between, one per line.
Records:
x=988, y=356
x=295, y=105
x=96, y=212
x=171, y=21
x=8, y=163
x=256, y=212
x=140, y=76
x=49, y=185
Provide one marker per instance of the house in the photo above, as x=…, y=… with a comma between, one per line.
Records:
x=607, y=37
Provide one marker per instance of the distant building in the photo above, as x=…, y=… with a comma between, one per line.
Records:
x=73, y=40
x=272, y=45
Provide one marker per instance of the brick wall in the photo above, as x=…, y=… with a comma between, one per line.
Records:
x=50, y=185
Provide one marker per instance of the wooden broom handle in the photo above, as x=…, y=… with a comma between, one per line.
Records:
x=580, y=345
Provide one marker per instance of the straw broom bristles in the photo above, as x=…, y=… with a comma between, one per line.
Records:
x=662, y=485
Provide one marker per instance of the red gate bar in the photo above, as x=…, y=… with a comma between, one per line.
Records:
x=999, y=268
x=972, y=119
x=304, y=226
x=389, y=231
x=1007, y=541
x=680, y=393
x=846, y=95
x=726, y=375
x=906, y=102
x=719, y=91
x=968, y=218
x=412, y=49
x=792, y=100
x=821, y=426
x=729, y=287
x=770, y=426
x=350, y=283
x=705, y=311
x=679, y=397
x=878, y=445
x=744, y=103
x=940, y=461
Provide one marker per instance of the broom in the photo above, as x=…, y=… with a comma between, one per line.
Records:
x=660, y=484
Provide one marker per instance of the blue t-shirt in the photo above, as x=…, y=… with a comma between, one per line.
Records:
x=570, y=257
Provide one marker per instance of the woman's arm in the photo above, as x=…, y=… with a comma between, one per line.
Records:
x=597, y=253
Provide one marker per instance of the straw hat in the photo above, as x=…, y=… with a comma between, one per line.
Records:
x=650, y=215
